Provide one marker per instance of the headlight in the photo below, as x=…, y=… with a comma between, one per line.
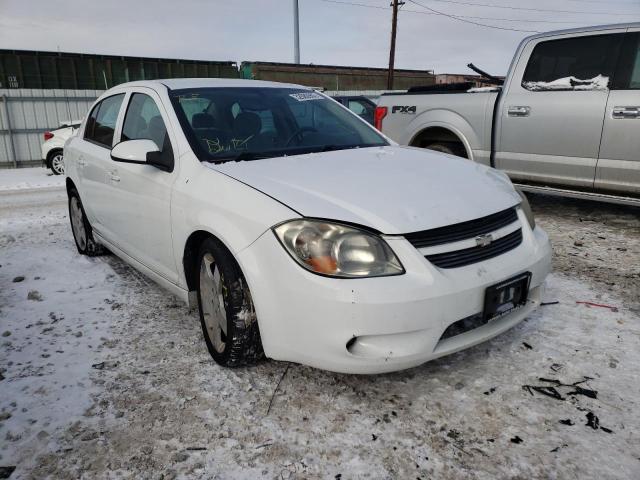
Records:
x=526, y=208
x=337, y=250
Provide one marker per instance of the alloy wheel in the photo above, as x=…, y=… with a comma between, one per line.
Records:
x=77, y=223
x=211, y=296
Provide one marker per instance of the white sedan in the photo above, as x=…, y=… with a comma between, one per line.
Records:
x=300, y=231
x=53, y=144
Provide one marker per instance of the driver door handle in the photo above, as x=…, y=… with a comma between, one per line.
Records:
x=81, y=161
x=625, y=112
x=114, y=176
x=518, y=111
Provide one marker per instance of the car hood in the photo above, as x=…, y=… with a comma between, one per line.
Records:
x=390, y=189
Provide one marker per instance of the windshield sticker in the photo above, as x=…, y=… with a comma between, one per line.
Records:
x=303, y=97
x=214, y=146
x=238, y=144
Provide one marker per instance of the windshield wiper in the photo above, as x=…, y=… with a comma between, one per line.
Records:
x=241, y=157
x=248, y=156
x=330, y=148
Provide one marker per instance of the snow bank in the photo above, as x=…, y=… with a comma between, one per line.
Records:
x=29, y=179
x=599, y=82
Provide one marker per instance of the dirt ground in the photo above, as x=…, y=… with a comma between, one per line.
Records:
x=107, y=375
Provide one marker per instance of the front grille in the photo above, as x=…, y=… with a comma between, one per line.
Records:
x=467, y=256
x=462, y=231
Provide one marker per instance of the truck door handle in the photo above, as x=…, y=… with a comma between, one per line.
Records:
x=518, y=111
x=114, y=176
x=81, y=161
x=625, y=112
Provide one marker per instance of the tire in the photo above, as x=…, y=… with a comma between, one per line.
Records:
x=56, y=162
x=227, y=314
x=80, y=227
x=448, y=147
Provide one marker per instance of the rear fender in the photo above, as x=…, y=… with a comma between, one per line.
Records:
x=448, y=120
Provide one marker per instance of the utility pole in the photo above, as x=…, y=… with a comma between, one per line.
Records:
x=296, y=33
x=392, y=51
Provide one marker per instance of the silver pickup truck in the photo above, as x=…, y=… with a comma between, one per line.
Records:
x=566, y=120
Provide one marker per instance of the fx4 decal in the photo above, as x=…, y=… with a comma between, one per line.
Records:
x=403, y=109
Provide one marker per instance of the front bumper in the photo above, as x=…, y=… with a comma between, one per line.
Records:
x=389, y=323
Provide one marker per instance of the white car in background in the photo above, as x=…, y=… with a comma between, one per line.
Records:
x=54, y=143
x=302, y=233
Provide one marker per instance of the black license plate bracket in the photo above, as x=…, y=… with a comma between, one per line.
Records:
x=506, y=296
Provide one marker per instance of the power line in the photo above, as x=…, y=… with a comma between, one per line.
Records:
x=529, y=9
x=453, y=17
x=422, y=12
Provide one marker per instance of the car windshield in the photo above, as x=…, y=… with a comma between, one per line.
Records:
x=247, y=123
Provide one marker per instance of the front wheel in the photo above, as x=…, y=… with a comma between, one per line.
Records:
x=82, y=232
x=227, y=314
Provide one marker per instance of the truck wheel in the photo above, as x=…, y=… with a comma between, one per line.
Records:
x=56, y=162
x=227, y=314
x=448, y=147
x=82, y=232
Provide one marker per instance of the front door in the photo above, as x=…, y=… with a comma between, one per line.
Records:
x=552, y=114
x=618, y=167
x=139, y=210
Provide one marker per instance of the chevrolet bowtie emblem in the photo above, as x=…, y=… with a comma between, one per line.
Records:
x=484, y=240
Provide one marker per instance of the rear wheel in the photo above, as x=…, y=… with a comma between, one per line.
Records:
x=82, y=232
x=56, y=161
x=227, y=314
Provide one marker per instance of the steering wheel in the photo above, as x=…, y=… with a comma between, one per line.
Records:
x=299, y=133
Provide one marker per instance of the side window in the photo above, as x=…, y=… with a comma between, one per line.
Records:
x=193, y=106
x=364, y=110
x=143, y=121
x=628, y=72
x=579, y=63
x=356, y=107
x=634, y=81
x=91, y=122
x=102, y=121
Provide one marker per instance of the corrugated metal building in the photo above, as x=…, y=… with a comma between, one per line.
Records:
x=334, y=77
x=80, y=71
x=26, y=113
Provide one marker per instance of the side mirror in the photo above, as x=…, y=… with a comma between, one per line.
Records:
x=134, y=151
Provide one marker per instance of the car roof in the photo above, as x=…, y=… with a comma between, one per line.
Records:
x=184, y=83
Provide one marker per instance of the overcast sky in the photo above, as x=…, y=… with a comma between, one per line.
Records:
x=331, y=32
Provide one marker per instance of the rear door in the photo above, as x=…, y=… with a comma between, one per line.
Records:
x=139, y=210
x=94, y=156
x=551, y=116
x=618, y=167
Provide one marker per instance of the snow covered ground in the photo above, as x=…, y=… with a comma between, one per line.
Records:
x=29, y=179
x=105, y=375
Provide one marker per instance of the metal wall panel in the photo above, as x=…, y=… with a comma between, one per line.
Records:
x=30, y=113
